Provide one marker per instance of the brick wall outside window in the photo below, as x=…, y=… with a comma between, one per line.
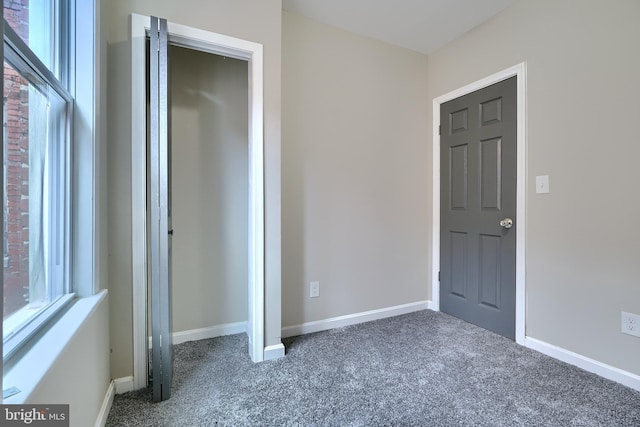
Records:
x=16, y=153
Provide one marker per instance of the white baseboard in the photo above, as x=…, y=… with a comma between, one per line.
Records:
x=353, y=319
x=123, y=385
x=209, y=332
x=607, y=371
x=101, y=421
x=273, y=351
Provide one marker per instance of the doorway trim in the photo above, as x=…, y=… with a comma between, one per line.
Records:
x=519, y=71
x=219, y=44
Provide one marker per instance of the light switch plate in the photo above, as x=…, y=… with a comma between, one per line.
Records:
x=542, y=184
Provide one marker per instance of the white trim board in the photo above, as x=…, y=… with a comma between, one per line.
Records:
x=217, y=44
x=208, y=332
x=272, y=352
x=520, y=71
x=101, y=420
x=353, y=319
x=123, y=385
x=602, y=369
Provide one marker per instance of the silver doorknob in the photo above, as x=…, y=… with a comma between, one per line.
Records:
x=506, y=223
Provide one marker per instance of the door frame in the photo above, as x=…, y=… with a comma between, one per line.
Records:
x=519, y=71
x=219, y=44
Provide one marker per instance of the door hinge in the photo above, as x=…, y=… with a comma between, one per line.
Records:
x=438, y=276
x=439, y=129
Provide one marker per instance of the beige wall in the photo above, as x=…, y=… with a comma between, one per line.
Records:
x=210, y=189
x=582, y=239
x=355, y=153
x=254, y=20
x=119, y=210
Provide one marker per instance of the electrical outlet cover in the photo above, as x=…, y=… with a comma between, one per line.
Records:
x=314, y=289
x=630, y=324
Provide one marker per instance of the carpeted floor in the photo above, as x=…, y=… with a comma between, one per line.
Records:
x=419, y=369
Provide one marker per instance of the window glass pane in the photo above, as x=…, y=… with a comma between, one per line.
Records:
x=34, y=198
x=35, y=21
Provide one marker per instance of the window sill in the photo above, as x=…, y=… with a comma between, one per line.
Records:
x=41, y=317
x=27, y=369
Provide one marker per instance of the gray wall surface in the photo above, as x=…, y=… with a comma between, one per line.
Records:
x=355, y=203
x=583, y=64
x=210, y=189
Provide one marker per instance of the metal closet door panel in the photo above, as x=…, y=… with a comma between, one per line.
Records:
x=160, y=211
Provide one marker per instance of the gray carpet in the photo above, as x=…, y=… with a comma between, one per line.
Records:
x=419, y=369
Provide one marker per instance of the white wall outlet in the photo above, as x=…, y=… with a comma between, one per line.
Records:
x=314, y=289
x=631, y=324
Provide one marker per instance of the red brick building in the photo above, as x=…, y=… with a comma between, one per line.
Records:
x=16, y=170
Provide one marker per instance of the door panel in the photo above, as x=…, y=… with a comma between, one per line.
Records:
x=458, y=190
x=458, y=245
x=489, y=277
x=160, y=212
x=491, y=179
x=478, y=190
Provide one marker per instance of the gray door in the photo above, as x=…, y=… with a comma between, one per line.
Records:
x=160, y=211
x=478, y=207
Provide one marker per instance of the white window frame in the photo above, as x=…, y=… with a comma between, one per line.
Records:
x=82, y=80
x=55, y=214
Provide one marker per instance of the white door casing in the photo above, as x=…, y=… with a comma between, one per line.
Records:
x=519, y=71
x=216, y=44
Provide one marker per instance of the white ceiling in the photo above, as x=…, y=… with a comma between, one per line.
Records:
x=421, y=25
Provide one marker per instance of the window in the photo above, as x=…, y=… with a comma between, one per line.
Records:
x=37, y=146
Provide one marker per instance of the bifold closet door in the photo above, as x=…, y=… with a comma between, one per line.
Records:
x=160, y=211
